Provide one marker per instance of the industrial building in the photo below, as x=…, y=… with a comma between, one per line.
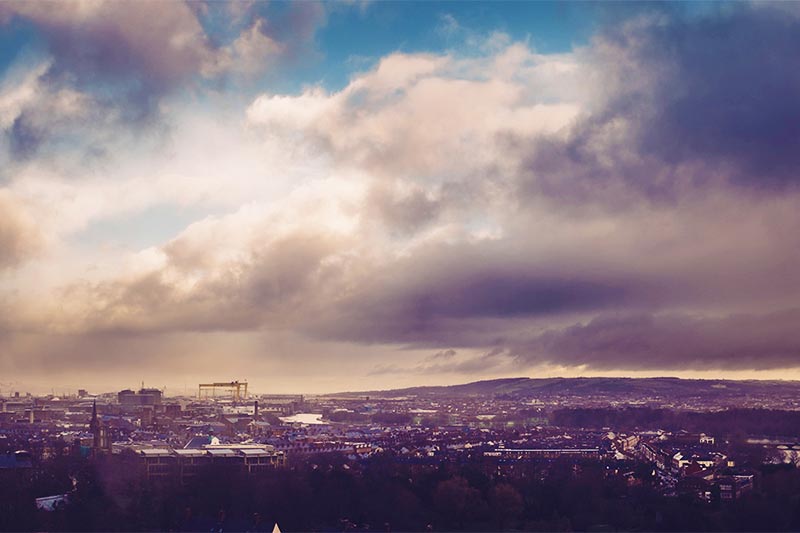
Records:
x=129, y=398
x=164, y=462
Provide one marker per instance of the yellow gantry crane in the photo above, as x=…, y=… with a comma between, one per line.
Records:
x=237, y=389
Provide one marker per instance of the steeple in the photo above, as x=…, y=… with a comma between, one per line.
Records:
x=94, y=426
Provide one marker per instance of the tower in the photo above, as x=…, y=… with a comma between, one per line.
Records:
x=94, y=427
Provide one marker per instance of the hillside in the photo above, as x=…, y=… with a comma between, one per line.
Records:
x=523, y=387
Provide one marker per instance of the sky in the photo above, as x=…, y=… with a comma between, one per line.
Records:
x=319, y=197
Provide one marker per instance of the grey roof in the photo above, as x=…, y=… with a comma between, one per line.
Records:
x=190, y=453
x=15, y=460
x=155, y=452
x=253, y=452
x=198, y=442
x=223, y=452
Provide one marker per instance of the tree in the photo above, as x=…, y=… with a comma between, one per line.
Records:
x=506, y=504
x=457, y=501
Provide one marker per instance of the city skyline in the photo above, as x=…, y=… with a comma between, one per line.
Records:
x=322, y=197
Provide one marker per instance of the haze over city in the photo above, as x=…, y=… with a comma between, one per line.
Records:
x=321, y=197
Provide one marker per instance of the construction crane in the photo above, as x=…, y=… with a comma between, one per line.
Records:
x=237, y=389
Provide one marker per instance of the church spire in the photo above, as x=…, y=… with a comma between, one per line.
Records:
x=94, y=426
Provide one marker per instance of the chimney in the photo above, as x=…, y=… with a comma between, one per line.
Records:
x=255, y=411
x=31, y=417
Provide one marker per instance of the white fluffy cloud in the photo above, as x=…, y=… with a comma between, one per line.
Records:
x=428, y=116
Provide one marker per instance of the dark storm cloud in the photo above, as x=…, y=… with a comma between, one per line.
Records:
x=731, y=95
x=673, y=341
x=439, y=293
x=686, y=101
x=503, y=294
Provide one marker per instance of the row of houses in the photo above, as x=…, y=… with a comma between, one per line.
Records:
x=683, y=460
x=544, y=453
x=716, y=486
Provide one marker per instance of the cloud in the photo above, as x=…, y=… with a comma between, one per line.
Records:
x=447, y=362
x=403, y=209
x=260, y=270
x=266, y=289
x=149, y=48
x=443, y=354
x=250, y=54
x=423, y=115
x=452, y=294
x=740, y=113
x=19, y=236
x=673, y=342
x=695, y=245
x=33, y=112
x=611, y=208
x=125, y=59
x=683, y=103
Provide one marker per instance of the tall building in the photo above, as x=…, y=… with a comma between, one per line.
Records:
x=101, y=440
x=150, y=396
x=130, y=398
x=94, y=427
x=127, y=397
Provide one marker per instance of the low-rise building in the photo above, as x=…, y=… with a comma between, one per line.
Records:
x=163, y=462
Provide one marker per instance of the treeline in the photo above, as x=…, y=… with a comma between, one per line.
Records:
x=367, y=418
x=326, y=493
x=723, y=423
x=521, y=417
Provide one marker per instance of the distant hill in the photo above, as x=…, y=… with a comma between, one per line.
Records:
x=632, y=387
